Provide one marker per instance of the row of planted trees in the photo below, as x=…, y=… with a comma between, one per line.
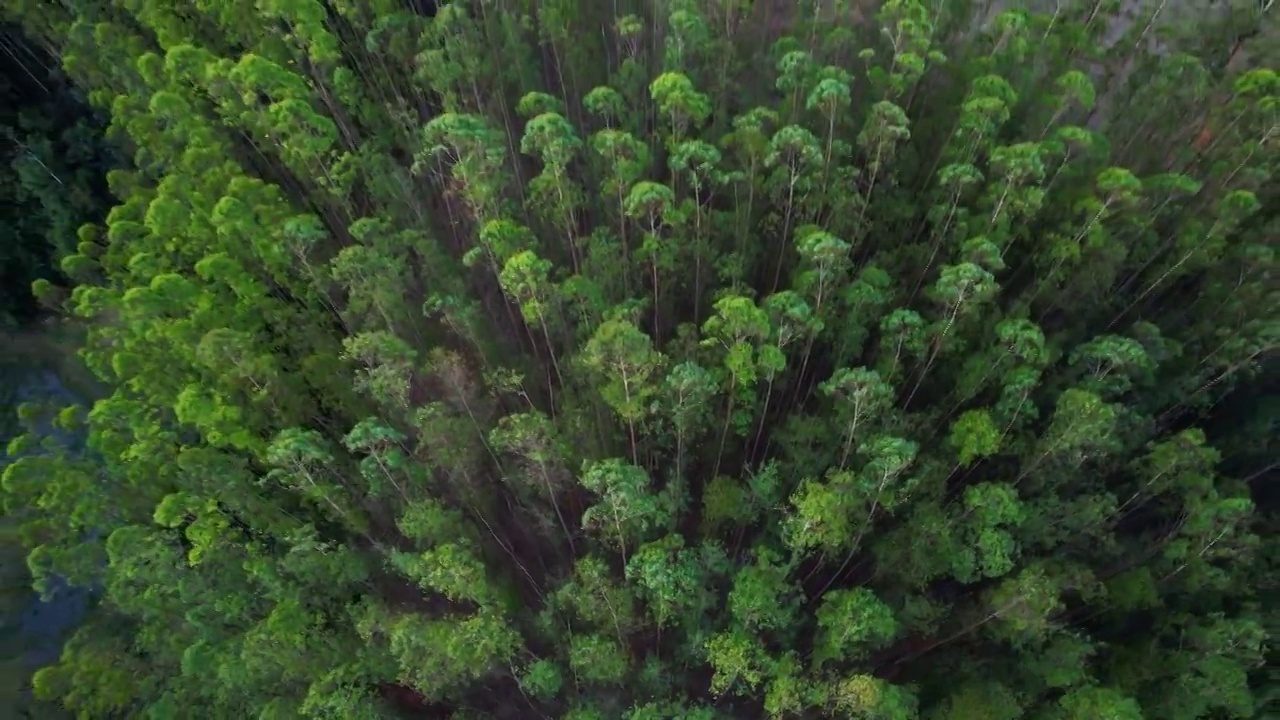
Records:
x=561, y=359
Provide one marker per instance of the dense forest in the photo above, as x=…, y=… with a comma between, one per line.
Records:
x=652, y=359
x=53, y=163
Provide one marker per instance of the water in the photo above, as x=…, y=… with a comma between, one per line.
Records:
x=32, y=630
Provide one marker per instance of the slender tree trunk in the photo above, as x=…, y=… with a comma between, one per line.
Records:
x=724, y=431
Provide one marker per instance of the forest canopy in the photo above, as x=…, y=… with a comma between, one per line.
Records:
x=53, y=167
x=690, y=359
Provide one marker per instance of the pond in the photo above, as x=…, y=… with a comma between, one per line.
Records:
x=32, y=630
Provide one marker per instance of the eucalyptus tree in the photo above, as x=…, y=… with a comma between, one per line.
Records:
x=649, y=360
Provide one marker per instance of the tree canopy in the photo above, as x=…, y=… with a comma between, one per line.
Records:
x=690, y=359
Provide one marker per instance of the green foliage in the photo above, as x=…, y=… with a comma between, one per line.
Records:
x=672, y=579
x=597, y=659
x=629, y=507
x=975, y=435
x=542, y=680
x=728, y=359
x=52, y=165
x=850, y=624
x=737, y=659
x=762, y=598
